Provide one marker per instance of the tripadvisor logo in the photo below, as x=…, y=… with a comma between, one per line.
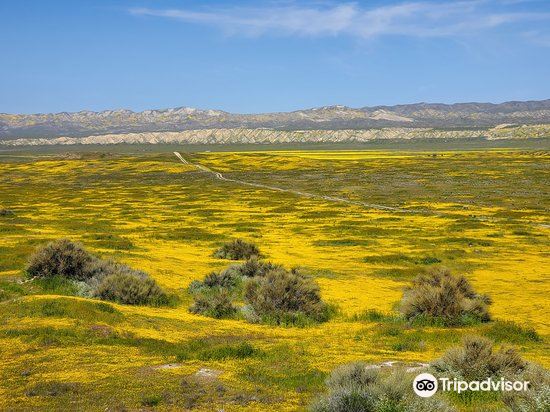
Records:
x=426, y=385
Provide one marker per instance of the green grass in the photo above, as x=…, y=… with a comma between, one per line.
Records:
x=508, y=331
x=202, y=350
x=284, y=369
x=109, y=241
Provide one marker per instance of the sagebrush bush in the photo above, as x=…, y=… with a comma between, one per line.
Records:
x=228, y=279
x=355, y=374
x=131, y=290
x=443, y=297
x=233, y=276
x=255, y=267
x=537, y=397
x=215, y=304
x=357, y=388
x=61, y=257
x=476, y=359
x=236, y=250
x=66, y=265
x=281, y=296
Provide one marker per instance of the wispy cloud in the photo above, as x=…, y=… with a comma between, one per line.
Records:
x=538, y=37
x=419, y=19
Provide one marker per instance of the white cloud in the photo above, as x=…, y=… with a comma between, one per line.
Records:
x=537, y=37
x=419, y=19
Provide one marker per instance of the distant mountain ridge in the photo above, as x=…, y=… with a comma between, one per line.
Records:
x=419, y=115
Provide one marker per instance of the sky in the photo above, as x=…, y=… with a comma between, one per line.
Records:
x=268, y=56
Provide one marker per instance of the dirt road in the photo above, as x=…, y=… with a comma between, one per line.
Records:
x=219, y=176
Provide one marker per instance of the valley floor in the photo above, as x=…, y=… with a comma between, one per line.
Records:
x=480, y=213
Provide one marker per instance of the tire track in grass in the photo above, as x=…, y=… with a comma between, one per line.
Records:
x=334, y=199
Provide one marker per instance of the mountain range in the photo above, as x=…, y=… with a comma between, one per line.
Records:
x=447, y=117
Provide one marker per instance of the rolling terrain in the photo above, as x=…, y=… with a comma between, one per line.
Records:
x=488, y=220
x=330, y=123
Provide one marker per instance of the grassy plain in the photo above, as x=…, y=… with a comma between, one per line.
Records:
x=482, y=213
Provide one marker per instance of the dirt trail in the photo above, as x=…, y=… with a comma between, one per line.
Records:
x=219, y=176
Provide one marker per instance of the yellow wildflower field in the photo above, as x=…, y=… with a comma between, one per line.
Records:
x=387, y=216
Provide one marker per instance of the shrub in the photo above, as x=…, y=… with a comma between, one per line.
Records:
x=6, y=212
x=476, y=360
x=130, y=289
x=232, y=277
x=228, y=279
x=285, y=297
x=237, y=250
x=442, y=297
x=357, y=388
x=66, y=267
x=216, y=304
x=356, y=374
x=255, y=267
x=61, y=257
x=537, y=397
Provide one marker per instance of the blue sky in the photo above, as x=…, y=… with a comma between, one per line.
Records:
x=262, y=56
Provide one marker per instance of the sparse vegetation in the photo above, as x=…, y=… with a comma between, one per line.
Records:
x=477, y=360
x=508, y=331
x=357, y=388
x=237, y=250
x=440, y=297
x=285, y=297
x=254, y=267
x=6, y=212
x=167, y=219
x=215, y=304
x=65, y=266
x=62, y=258
x=131, y=290
x=271, y=294
x=537, y=398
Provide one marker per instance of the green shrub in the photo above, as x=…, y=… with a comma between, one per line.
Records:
x=255, y=267
x=6, y=212
x=237, y=250
x=537, y=397
x=131, y=289
x=357, y=388
x=66, y=267
x=61, y=257
x=284, y=297
x=441, y=297
x=228, y=279
x=352, y=374
x=477, y=360
x=215, y=304
x=232, y=277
